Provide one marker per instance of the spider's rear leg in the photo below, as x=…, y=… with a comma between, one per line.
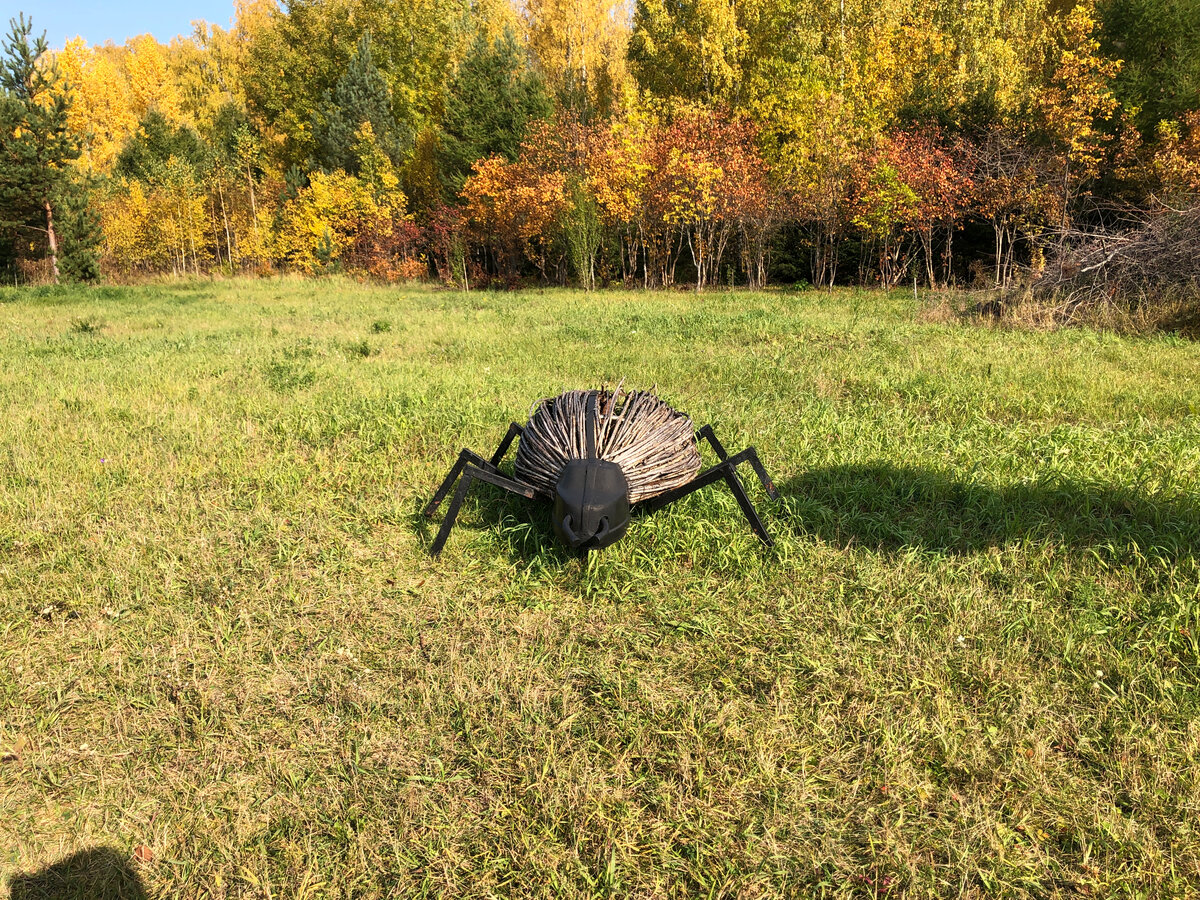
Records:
x=514, y=431
x=743, y=499
x=466, y=457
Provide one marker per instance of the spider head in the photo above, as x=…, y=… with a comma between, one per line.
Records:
x=591, y=504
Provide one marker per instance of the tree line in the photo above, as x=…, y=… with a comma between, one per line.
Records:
x=590, y=142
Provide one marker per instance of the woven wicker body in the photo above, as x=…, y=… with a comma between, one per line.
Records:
x=654, y=445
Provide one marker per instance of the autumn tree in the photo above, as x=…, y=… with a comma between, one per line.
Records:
x=1176, y=163
x=717, y=187
x=813, y=148
x=513, y=208
x=171, y=163
x=884, y=206
x=909, y=186
x=941, y=186
x=207, y=68
x=660, y=233
x=692, y=181
x=691, y=50
x=750, y=197
x=234, y=183
x=1075, y=103
x=1010, y=193
x=100, y=111
x=325, y=219
x=580, y=47
x=568, y=150
x=152, y=86
x=618, y=182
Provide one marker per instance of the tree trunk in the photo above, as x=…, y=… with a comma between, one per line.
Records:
x=999, y=230
x=52, y=238
x=228, y=236
x=927, y=248
x=697, y=249
x=253, y=205
x=212, y=218
x=948, y=258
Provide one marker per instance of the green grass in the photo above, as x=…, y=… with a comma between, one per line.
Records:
x=969, y=667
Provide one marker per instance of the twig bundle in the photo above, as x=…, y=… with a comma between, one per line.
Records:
x=654, y=445
x=1155, y=258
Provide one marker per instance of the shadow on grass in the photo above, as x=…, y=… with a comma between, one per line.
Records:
x=889, y=507
x=522, y=526
x=97, y=874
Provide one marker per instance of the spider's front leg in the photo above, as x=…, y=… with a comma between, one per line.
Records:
x=466, y=457
x=472, y=472
x=750, y=454
x=725, y=470
x=470, y=466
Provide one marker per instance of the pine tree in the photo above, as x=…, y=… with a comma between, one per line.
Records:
x=35, y=142
x=360, y=96
x=79, y=259
x=493, y=97
x=155, y=142
x=1157, y=39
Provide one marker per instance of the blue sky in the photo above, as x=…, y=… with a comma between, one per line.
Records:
x=97, y=21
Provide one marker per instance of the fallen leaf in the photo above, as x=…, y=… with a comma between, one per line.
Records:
x=143, y=854
x=13, y=753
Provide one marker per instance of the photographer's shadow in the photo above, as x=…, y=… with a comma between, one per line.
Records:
x=889, y=507
x=97, y=874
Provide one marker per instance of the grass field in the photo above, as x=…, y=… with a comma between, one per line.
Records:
x=969, y=667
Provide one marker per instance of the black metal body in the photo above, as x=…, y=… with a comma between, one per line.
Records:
x=592, y=507
x=591, y=504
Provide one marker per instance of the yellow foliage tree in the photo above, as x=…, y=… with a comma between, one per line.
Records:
x=1077, y=100
x=100, y=109
x=325, y=220
x=159, y=226
x=580, y=46
x=1176, y=162
x=151, y=85
x=127, y=219
x=207, y=71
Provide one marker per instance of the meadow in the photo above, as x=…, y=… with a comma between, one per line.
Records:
x=968, y=667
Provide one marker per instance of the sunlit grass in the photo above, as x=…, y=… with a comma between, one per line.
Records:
x=968, y=666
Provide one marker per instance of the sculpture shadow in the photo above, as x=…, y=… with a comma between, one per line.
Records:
x=889, y=507
x=522, y=526
x=97, y=874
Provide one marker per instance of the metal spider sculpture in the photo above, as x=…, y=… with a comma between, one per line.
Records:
x=596, y=454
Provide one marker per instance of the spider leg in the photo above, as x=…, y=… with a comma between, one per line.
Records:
x=470, y=457
x=724, y=471
x=466, y=457
x=514, y=431
x=472, y=472
x=707, y=433
x=768, y=485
